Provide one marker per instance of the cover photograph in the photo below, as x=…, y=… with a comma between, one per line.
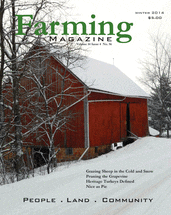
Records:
x=85, y=107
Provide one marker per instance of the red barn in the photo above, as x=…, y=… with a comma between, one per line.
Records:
x=111, y=109
x=115, y=109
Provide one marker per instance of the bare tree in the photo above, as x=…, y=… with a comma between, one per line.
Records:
x=13, y=49
x=51, y=93
x=157, y=77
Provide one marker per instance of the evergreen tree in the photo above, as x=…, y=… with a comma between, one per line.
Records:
x=160, y=105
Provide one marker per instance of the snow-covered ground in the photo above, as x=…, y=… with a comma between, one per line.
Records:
x=145, y=164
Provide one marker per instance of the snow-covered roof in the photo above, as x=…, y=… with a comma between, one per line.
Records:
x=106, y=77
x=101, y=76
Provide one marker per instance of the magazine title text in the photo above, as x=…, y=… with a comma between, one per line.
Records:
x=41, y=28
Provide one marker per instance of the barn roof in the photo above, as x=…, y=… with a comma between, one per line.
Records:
x=101, y=76
x=104, y=77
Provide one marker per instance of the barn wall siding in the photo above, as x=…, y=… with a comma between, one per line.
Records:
x=111, y=116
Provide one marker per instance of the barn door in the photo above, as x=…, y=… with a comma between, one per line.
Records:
x=123, y=121
x=128, y=125
x=135, y=119
x=138, y=119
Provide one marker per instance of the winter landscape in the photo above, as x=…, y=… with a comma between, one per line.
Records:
x=133, y=180
x=65, y=105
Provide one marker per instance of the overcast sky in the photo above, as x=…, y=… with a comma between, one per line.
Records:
x=125, y=55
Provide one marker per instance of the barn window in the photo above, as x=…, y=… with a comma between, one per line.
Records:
x=69, y=151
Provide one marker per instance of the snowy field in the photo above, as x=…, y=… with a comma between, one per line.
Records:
x=134, y=180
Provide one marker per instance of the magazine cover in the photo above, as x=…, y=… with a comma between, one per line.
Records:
x=85, y=107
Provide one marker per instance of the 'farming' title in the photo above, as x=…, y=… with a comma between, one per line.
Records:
x=41, y=28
